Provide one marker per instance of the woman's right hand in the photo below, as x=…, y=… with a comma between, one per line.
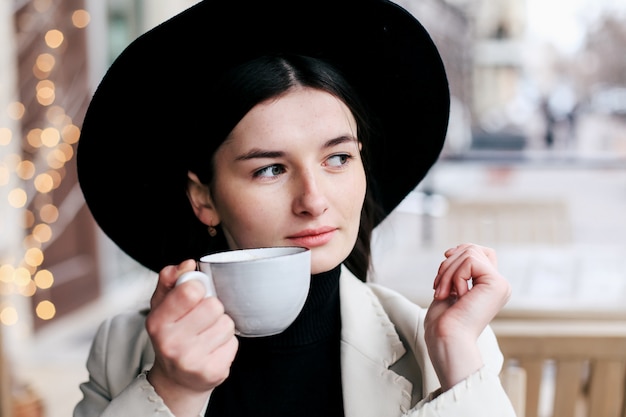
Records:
x=460, y=312
x=193, y=339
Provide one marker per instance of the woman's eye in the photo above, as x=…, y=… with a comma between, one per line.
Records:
x=339, y=160
x=270, y=171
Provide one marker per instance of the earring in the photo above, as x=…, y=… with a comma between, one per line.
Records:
x=212, y=231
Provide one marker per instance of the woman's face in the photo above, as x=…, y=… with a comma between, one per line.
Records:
x=290, y=174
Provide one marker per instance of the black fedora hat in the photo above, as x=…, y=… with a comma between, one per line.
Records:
x=148, y=111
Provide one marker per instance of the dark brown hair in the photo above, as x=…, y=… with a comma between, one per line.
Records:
x=253, y=82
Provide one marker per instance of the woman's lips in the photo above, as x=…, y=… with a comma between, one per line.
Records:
x=311, y=238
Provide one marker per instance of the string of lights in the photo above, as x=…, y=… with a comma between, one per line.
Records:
x=44, y=125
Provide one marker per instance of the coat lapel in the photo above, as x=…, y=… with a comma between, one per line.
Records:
x=369, y=346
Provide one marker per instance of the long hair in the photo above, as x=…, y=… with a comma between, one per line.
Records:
x=266, y=77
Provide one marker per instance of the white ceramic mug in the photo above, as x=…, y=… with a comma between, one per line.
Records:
x=263, y=289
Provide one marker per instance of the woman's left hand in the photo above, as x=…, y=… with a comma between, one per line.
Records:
x=469, y=292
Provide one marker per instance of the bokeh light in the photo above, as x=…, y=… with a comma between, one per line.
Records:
x=17, y=198
x=49, y=213
x=5, y=136
x=45, y=92
x=28, y=290
x=21, y=277
x=44, y=279
x=25, y=170
x=8, y=316
x=42, y=232
x=33, y=137
x=54, y=38
x=33, y=257
x=43, y=183
x=45, y=310
x=50, y=137
x=70, y=134
x=16, y=110
x=43, y=65
x=80, y=18
x=7, y=273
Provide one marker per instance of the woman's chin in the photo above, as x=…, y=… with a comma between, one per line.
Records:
x=321, y=263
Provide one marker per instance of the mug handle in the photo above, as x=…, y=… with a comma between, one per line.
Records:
x=200, y=276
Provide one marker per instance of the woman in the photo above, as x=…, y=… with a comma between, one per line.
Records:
x=277, y=157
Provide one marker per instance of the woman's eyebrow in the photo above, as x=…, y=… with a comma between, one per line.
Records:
x=340, y=140
x=259, y=153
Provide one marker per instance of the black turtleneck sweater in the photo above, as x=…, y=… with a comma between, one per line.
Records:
x=295, y=373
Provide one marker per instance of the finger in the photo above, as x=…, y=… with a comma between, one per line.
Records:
x=464, y=263
x=479, y=306
x=459, y=248
x=205, y=315
x=490, y=253
x=219, y=333
x=461, y=285
x=223, y=356
x=213, y=368
x=453, y=278
x=175, y=338
x=178, y=303
x=452, y=255
x=190, y=349
x=487, y=284
x=167, y=280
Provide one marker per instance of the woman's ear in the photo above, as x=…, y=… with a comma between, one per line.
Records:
x=200, y=200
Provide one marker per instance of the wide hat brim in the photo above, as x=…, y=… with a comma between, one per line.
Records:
x=147, y=114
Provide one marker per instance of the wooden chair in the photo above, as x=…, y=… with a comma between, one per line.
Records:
x=564, y=369
x=507, y=222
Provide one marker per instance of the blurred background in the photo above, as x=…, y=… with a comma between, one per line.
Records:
x=534, y=166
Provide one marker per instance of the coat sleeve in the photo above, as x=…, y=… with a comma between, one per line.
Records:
x=117, y=363
x=481, y=394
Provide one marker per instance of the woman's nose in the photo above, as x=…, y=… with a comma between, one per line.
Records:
x=310, y=198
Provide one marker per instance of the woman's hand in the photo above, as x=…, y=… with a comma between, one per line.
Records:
x=469, y=292
x=193, y=339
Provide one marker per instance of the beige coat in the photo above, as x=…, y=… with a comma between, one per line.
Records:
x=385, y=367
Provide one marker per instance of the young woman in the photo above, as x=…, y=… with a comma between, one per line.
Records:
x=268, y=146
